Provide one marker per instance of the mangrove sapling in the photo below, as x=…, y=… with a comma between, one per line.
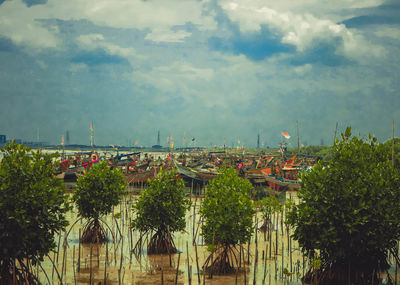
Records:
x=32, y=209
x=160, y=211
x=96, y=193
x=227, y=212
x=349, y=212
x=267, y=207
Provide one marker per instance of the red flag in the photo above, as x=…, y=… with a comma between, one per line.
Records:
x=286, y=135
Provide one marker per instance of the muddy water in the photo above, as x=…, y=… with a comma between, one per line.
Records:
x=263, y=262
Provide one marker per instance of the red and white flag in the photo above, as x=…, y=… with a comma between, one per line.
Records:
x=286, y=135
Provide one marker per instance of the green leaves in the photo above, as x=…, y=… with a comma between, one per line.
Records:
x=349, y=205
x=32, y=203
x=163, y=205
x=227, y=210
x=98, y=190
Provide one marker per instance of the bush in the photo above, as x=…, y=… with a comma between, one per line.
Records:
x=227, y=211
x=349, y=212
x=162, y=208
x=32, y=209
x=96, y=193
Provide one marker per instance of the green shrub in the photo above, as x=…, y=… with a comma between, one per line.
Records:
x=162, y=208
x=96, y=193
x=32, y=209
x=227, y=212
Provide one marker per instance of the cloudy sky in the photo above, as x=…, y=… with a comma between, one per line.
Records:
x=212, y=70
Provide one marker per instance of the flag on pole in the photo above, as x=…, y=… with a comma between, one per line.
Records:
x=286, y=135
x=62, y=140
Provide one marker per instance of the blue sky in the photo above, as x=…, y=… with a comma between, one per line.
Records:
x=213, y=70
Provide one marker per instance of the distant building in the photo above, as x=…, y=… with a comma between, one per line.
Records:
x=3, y=139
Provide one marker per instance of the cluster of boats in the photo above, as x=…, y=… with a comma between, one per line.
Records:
x=196, y=168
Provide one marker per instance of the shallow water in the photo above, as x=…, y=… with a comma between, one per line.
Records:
x=114, y=262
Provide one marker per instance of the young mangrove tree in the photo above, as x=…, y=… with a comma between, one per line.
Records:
x=161, y=211
x=96, y=193
x=32, y=209
x=227, y=212
x=349, y=213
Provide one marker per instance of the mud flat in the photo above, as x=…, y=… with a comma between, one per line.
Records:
x=270, y=258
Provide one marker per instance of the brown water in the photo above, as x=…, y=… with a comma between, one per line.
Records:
x=114, y=262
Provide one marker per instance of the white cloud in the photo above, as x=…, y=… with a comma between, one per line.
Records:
x=303, y=69
x=175, y=76
x=19, y=22
x=300, y=30
x=94, y=41
x=165, y=35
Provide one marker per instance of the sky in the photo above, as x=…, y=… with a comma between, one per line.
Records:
x=216, y=71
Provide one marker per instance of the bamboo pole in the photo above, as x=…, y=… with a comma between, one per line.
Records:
x=177, y=269
x=105, y=265
x=188, y=263
x=73, y=264
x=90, y=262
x=79, y=251
x=197, y=263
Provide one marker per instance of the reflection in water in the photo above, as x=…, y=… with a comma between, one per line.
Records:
x=273, y=259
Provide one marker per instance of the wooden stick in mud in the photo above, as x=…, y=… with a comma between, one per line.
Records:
x=255, y=270
x=90, y=262
x=122, y=254
x=105, y=265
x=244, y=269
x=290, y=255
x=63, y=261
x=265, y=263
x=58, y=247
x=79, y=252
x=197, y=263
x=194, y=217
x=177, y=269
x=256, y=254
x=248, y=252
x=240, y=256
x=188, y=263
x=283, y=256
x=52, y=271
x=73, y=264
x=276, y=235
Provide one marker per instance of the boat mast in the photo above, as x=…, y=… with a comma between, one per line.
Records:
x=393, y=142
x=92, y=136
x=298, y=139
